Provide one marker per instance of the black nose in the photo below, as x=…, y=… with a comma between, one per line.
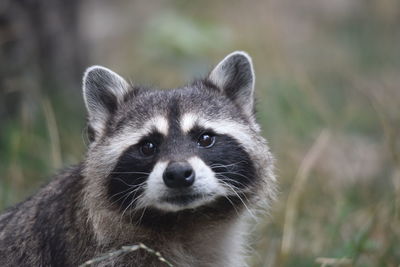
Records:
x=178, y=175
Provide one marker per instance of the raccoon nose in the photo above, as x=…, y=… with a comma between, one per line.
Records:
x=178, y=175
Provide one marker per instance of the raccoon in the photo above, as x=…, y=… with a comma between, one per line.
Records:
x=179, y=170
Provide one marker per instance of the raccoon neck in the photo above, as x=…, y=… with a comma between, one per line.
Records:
x=210, y=245
x=203, y=244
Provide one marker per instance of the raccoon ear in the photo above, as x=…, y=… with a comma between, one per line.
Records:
x=234, y=75
x=103, y=90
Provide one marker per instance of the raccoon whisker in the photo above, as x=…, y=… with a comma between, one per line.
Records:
x=237, y=194
x=226, y=180
x=130, y=204
x=132, y=215
x=146, y=173
x=141, y=216
x=126, y=197
x=233, y=205
x=233, y=183
x=226, y=165
x=234, y=163
x=134, y=200
x=125, y=192
x=242, y=200
x=130, y=185
x=122, y=192
x=236, y=173
x=137, y=223
x=125, y=183
x=130, y=212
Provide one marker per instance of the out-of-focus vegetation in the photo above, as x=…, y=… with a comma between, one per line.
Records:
x=328, y=90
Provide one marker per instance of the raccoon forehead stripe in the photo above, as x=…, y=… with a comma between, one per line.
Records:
x=159, y=122
x=188, y=121
x=221, y=126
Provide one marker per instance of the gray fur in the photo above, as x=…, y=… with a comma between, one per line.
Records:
x=103, y=90
x=72, y=219
x=235, y=75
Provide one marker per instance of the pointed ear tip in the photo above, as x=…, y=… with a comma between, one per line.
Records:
x=94, y=68
x=95, y=71
x=241, y=54
x=89, y=72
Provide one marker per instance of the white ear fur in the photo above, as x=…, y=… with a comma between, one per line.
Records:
x=103, y=90
x=234, y=75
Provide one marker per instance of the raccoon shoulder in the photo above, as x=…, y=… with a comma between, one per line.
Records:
x=40, y=230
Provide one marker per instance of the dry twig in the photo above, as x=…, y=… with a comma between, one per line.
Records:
x=127, y=249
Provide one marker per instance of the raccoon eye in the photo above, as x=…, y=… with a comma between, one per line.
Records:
x=148, y=149
x=206, y=140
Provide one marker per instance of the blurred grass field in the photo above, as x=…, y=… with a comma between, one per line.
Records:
x=328, y=93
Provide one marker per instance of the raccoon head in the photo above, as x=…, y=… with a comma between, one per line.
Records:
x=194, y=148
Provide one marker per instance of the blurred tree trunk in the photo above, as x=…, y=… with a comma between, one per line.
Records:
x=41, y=50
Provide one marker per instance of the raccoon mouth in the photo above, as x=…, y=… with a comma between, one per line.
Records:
x=184, y=199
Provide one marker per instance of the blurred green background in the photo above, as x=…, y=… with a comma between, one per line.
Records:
x=328, y=93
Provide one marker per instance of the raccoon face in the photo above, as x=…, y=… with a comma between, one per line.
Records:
x=179, y=149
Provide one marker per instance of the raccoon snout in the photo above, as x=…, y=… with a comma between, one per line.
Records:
x=179, y=175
